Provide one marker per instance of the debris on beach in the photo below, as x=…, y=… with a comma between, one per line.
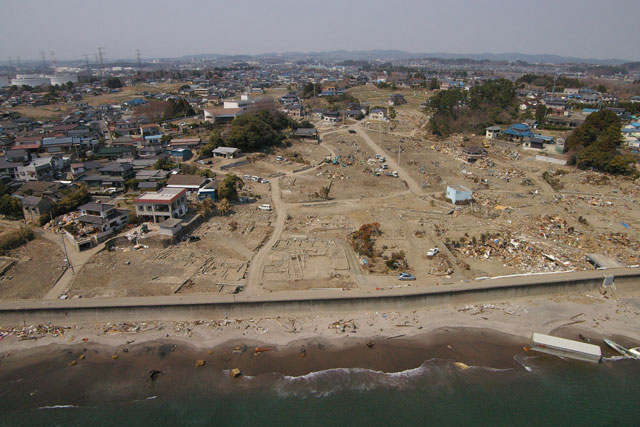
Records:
x=33, y=332
x=239, y=349
x=342, y=325
x=259, y=350
x=114, y=356
x=200, y=363
x=235, y=373
x=154, y=373
x=111, y=328
x=461, y=365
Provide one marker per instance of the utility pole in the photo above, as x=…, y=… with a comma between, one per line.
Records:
x=399, y=154
x=66, y=255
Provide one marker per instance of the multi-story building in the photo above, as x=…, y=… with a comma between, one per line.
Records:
x=163, y=204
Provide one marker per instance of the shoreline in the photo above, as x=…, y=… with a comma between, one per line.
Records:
x=74, y=363
x=86, y=374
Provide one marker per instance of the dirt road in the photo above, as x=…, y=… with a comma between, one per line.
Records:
x=257, y=262
x=393, y=164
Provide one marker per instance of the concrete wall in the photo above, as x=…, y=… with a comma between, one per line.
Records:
x=207, y=307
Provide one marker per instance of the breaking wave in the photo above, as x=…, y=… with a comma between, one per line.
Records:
x=59, y=407
x=435, y=373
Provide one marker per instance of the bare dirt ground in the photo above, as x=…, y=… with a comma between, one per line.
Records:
x=221, y=256
x=38, y=264
x=352, y=177
x=526, y=216
x=125, y=93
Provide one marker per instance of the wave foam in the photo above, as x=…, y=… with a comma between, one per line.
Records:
x=326, y=382
x=58, y=407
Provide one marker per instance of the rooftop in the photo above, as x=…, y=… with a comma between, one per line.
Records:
x=165, y=195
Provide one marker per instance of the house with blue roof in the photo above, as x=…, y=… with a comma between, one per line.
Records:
x=518, y=131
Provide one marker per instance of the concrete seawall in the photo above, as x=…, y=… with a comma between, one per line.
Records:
x=192, y=307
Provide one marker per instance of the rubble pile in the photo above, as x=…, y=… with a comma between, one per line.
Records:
x=344, y=326
x=59, y=223
x=34, y=331
x=518, y=251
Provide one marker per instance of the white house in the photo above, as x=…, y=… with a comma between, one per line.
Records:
x=493, y=132
x=103, y=217
x=378, y=114
x=458, y=193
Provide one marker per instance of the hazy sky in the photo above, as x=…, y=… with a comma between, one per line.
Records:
x=161, y=28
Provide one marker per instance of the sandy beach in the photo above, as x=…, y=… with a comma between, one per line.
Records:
x=90, y=364
x=593, y=314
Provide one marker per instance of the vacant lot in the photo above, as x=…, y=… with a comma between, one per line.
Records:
x=37, y=265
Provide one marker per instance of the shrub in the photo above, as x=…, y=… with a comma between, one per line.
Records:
x=15, y=239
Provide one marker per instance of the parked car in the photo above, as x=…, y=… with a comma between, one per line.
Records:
x=194, y=238
x=406, y=276
x=352, y=131
x=264, y=207
x=433, y=252
x=395, y=174
x=279, y=158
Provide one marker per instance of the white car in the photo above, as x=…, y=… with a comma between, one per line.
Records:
x=264, y=207
x=279, y=158
x=433, y=252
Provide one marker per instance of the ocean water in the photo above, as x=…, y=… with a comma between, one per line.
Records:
x=537, y=390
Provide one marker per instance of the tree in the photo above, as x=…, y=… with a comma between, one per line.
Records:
x=224, y=207
x=595, y=144
x=324, y=191
x=433, y=84
x=258, y=130
x=113, y=83
x=10, y=207
x=541, y=112
x=227, y=189
x=207, y=208
x=164, y=164
x=391, y=113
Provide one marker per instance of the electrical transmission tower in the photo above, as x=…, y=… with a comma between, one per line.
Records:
x=44, y=61
x=53, y=60
x=101, y=59
x=86, y=59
